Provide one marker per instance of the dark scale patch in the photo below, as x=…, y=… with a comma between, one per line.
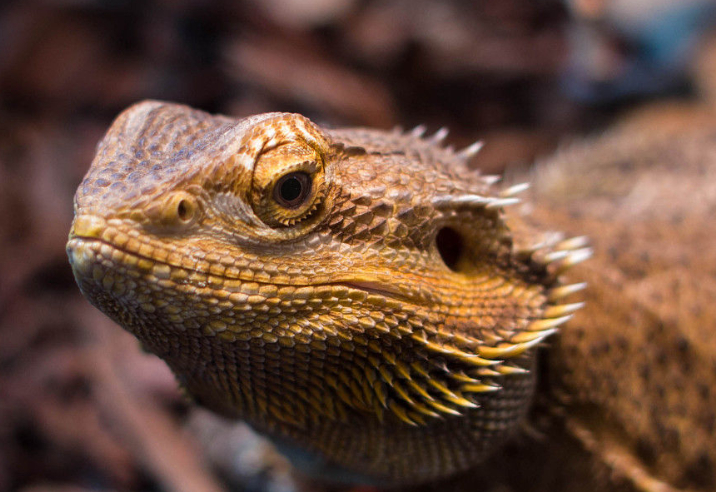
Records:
x=672, y=439
x=700, y=472
x=683, y=346
x=622, y=344
x=408, y=216
x=684, y=355
x=657, y=297
x=662, y=358
x=613, y=390
x=704, y=391
x=599, y=350
x=646, y=452
x=709, y=422
x=383, y=209
x=613, y=253
x=677, y=219
x=380, y=229
x=645, y=371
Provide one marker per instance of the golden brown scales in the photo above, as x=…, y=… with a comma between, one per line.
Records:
x=636, y=369
x=308, y=282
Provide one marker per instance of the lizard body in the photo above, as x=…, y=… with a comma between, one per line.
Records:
x=361, y=294
x=636, y=369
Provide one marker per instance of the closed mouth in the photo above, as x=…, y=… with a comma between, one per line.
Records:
x=87, y=251
x=384, y=290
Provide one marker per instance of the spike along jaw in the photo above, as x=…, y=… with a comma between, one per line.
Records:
x=349, y=300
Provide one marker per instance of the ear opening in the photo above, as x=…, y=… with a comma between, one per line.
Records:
x=451, y=246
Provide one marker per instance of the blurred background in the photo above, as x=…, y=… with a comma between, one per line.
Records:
x=81, y=406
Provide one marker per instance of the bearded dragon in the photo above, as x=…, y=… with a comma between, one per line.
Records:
x=365, y=297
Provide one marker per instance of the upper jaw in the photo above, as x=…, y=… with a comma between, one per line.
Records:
x=99, y=245
x=88, y=226
x=85, y=228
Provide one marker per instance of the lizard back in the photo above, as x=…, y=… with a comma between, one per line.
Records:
x=635, y=372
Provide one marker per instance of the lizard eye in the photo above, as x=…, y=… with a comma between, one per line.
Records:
x=292, y=189
x=288, y=184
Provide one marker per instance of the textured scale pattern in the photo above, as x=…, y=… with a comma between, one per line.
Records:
x=644, y=403
x=386, y=323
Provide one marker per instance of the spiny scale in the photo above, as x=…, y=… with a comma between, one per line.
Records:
x=514, y=190
x=439, y=136
x=565, y=290
x=471, y=150
x=339, y=319
x=418, y=131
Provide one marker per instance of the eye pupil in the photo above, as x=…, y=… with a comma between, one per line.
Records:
x=293, y=189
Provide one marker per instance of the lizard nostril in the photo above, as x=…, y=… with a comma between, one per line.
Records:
x=450, y=246
x=178, y=209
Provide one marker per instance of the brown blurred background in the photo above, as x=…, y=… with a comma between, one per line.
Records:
x=81, y=406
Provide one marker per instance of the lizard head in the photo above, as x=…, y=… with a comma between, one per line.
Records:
x=318, y=283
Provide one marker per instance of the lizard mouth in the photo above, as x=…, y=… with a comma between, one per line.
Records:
x=377, y=288
x=87, y=252
x=93, y=253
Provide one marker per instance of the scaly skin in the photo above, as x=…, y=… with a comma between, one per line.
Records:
x=333, y=325
x=387, y=320
x=635, y=372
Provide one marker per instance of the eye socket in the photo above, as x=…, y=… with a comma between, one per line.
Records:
x=292, y=189
x=288, y=185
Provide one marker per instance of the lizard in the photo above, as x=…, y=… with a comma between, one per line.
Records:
x=365, y=297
